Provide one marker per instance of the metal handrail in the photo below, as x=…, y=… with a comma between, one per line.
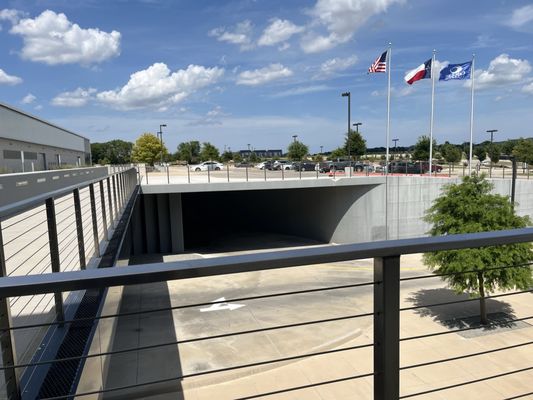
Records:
x=18, y=207
x=158, y=272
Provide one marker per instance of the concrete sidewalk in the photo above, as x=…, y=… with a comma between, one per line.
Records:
x=308, y=373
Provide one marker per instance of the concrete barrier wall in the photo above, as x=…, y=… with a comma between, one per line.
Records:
x=347, y=211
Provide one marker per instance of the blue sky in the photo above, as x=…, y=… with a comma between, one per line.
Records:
x=258, y=72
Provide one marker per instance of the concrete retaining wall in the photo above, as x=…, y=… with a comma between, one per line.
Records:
x=343, y=211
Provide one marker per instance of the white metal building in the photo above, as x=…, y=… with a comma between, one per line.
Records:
x=28, y=143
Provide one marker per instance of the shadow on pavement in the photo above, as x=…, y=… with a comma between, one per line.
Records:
x=137, y=367
x=462, y=315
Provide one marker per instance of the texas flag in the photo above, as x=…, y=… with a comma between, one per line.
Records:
x=423, y=71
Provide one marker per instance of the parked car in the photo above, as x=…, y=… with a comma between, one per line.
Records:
x=304, y=166
x=406, y=167
x=434, y=167
x=206, y=166
x=333, y=166
x=264, y=165
x=281, y=164
x=244, y=165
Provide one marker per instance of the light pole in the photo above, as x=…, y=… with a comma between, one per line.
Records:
x=347, y=94
x=294, y=138
x=321, y=149
x=395, y=145
x=356, y=124
x=492, y=131
x=161, y=139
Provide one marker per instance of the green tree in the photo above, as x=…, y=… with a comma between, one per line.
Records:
x=237, y=157
x=112, y=152
x=227, y=156
x=297, y=151
x=253, y=157
x=494, y=152
x=421, y=149
x=209, y=152
x=523, y=150
x=451, y=153
x=339, y=152
x=480, y=152
x=147, y=149
x=119, y=151
x=508, y=146
x=355, y=143
x=189, y=151
x=470, y=207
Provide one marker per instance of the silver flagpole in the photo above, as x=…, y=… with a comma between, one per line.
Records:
x=471, y=118
x=431, y=117
x=389, y=56
x=388, y=109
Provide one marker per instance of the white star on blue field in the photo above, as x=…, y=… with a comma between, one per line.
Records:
x=245, y=71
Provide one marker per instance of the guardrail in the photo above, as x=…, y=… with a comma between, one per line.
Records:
x=53, y=221
x=385, y=313
x=229, y=173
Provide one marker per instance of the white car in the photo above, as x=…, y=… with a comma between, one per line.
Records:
x=207, y=166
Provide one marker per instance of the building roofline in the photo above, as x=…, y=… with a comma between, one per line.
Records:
x=26, y=114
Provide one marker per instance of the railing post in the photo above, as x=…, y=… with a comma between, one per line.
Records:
x=115, y=195
x=95, y=222
x=111, y=216
x=7, y=342
x=102, y=203
x=79, y=228
x=387, y=328
x=227, y=169
x=168, y=175
x=121, y=189
x=54, y=252
x=188, y=173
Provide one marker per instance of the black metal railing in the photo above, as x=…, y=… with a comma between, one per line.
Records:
x=176, y=174
x=384, y=310
x=50, y=231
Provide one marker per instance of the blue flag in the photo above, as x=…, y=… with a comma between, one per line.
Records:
x=456, y=71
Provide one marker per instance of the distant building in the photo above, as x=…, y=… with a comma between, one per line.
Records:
x=261, y=153
x=28, y=143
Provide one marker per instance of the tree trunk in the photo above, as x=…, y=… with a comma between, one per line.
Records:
x=482, y=302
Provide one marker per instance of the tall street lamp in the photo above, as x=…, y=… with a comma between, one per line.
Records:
x=395, y=145
x=356, y=124
x=347, y=94
x=294, y=137
x=321, y=149
x=161, y=139
x=492, y=131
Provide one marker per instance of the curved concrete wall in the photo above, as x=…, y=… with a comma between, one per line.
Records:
x=172, y=217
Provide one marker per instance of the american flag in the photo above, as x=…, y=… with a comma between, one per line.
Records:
x=380, y=65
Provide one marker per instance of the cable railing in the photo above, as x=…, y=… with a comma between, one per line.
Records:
x=41, y=232
x=231, y=172
x=378, y=350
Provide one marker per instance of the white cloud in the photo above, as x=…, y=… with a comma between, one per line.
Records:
x=6, y=79
x=241, y=34
x=11, y=15
x=212, y=117
x=302, y=90
x=333, y=65
x=28, y=99
x=342, y=18
x=157, y=86
x=502, y=70
x=263, y=75
x=52, y=39
x=521, y=16
x=77, y=98
x=528, y=88
x=279, y=31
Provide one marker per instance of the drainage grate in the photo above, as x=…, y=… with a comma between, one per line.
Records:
x=62, y=377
